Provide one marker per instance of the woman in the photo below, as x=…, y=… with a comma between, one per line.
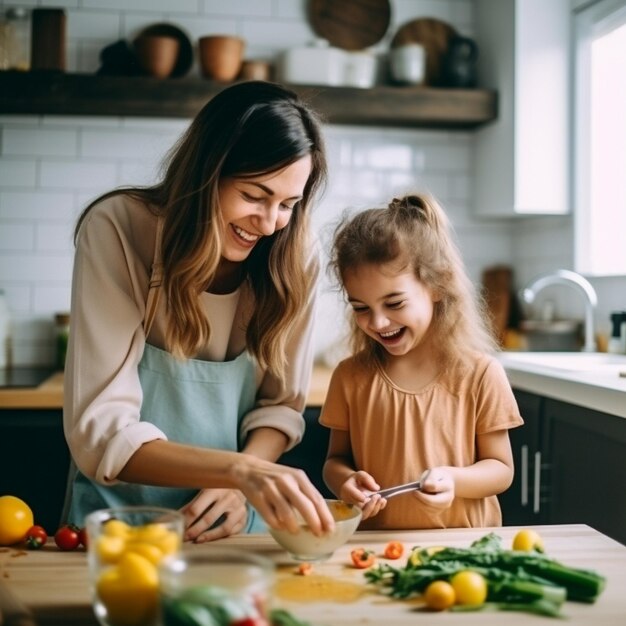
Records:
x=192, y=309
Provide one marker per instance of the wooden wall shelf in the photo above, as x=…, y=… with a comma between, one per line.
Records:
x=56, y=93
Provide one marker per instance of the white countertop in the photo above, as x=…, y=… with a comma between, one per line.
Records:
x=593, y=380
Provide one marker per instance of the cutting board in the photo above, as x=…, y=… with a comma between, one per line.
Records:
x=497, y=283
x=350, y=24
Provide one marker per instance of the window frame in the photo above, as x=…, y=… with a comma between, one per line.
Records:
x=589, y=19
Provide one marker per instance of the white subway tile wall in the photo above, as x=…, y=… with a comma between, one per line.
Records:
x=51, y=166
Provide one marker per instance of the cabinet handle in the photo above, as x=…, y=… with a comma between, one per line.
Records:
x=524, y=494
x=537, y=488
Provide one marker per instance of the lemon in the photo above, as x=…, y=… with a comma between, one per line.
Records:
x=128, y=586
x=16, y=517
x=439, y=595
x=470, y=587
x=528, y=541
x=117, y=528
x=147, y=550
x=150, y=533
x=414, y=557
x=129, y=591
x=169, y=543
x=110, y=548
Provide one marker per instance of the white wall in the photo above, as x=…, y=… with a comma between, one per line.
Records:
x=51, y=166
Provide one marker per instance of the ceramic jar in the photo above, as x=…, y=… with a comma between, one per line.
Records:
x=157, y=54
x=407, y=64
x=459, y=63
x=221, y=56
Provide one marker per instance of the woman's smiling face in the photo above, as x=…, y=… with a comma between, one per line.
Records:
x=259, y=206
x=391, y=306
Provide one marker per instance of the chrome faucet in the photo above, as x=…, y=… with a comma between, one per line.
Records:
x=566, y=277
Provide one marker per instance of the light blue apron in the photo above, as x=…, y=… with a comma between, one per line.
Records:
x=194, y=402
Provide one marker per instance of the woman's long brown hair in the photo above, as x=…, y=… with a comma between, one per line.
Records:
x=249, y=129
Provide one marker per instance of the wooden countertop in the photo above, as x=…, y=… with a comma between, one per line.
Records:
x=49, y=395
x=54, y=585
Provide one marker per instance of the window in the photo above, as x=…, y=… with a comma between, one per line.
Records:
x=600, y=138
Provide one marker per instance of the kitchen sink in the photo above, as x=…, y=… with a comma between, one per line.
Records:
x=569, y=361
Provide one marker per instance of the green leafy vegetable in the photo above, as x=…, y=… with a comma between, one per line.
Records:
x=280, y=617
x=207, y=605
x=516, y=580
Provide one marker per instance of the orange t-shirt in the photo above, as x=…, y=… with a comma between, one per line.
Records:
x=396, y=434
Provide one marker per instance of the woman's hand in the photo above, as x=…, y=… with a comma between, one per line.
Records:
x=278, y=491
x=358, y=490
x=213, y=514
x=437, y=493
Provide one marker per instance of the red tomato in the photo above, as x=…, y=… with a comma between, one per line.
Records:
x=36, y=536
x=67, y=537
x=362, y=558
x=304, y=569
x=82, y=537
x=393, y=550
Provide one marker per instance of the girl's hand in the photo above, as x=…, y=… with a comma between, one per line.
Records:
x=278, y=491
x=373, y=506
x=437, y=491
x=358, y=490
x=213, y=514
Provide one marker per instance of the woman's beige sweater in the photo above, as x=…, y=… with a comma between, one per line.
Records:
x=103, y=396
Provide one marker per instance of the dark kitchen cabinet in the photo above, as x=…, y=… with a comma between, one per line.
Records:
x=587, y=451
x=310, y=454
x=526, y=500
x=34, y=461
x=570, y=467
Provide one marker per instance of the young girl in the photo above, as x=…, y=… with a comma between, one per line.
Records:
x=190, y=350
x=421, y=391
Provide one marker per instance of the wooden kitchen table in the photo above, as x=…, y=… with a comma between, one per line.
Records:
x=54, y=585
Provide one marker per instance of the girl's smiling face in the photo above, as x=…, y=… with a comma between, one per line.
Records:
x=392, y=307
x=258, y=206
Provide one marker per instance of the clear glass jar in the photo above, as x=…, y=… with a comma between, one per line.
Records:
x=232, y=582
x=125, y=546
x=15, y=39
x=62, y=332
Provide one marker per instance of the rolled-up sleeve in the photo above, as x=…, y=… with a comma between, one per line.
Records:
x=102, y=393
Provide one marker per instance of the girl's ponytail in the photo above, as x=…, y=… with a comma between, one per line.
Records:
x=413, y=207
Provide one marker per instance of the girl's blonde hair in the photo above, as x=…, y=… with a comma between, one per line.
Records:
x=246, y=130
x=413, y=232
